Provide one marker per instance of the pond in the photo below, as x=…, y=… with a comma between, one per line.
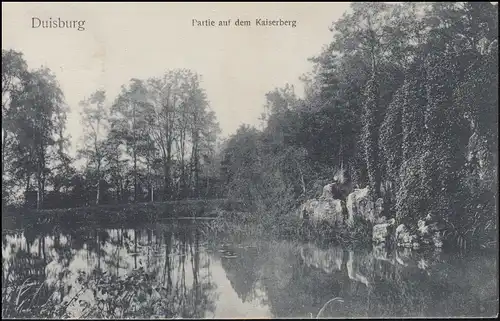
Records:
x=183, y=271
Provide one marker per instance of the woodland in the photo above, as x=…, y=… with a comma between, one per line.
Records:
x=403, y=99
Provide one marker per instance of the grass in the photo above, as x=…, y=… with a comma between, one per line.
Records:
x=130, y=296
x=123, y=213
x=24, y=300
x=289, y=226
x=172, y=206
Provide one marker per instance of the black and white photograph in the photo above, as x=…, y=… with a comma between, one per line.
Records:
x=249, y=160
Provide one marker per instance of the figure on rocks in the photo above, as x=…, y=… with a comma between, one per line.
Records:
x=336, y=190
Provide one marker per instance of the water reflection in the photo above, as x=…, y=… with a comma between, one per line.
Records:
x=107, y=273
x=168, y=271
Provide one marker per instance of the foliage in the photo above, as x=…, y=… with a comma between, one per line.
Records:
x=404, y=99
x=155, y=141
x=35, y=114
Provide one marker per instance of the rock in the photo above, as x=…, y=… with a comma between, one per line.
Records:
x=308, y=208
x=327, y=208
x=422, y=228
x=379, y=207
x=429, y=233
x=323, y=210
x=403, y=237
x=327, y=192
x=382, y=232
x=360, y=205
x=379, y=252
x=437, y=240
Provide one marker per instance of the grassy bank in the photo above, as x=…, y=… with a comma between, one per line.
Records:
x=289, y=226
x=292, y=227
x=121, y=213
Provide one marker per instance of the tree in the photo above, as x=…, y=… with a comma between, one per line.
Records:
x=164, y=97
x=391, y=139
x=182, y=127
x=14, y=69
x=94, y=118
x=39, y=109
x=130, y=113
x=241, y=166
x=371, y=112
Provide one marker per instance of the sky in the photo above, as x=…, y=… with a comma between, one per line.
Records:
x=238, y=64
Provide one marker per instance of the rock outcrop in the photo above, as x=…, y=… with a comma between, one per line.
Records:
x=326, y=208
x=383, y=231
x=359, y=204
x=323, y=210
x=426, y=234
x=404, y=238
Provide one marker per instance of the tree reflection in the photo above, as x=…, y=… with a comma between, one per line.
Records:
x=370, y=284
x=296, y=288
x=299, y=280
x=107, y=274
x=26, y=286
x=165, y=272
x=243, y=271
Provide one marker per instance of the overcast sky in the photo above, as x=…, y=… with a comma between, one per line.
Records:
x=124, y=40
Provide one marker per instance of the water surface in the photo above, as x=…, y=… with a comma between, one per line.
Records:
x=182, y=270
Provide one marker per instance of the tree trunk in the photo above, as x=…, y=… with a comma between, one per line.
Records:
x=98, y=185
x=27, y=182
x=151, y=188
x=207, y=188
x=98, y=192
x=42, y=192
x=4, y=140
x=371, y=136
x=182, y=183
x=135, y=154
x=166, y=174
x=38, y=198
x=169, y=166
x=195, y=164
x=196, y=176
x=39, y=187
